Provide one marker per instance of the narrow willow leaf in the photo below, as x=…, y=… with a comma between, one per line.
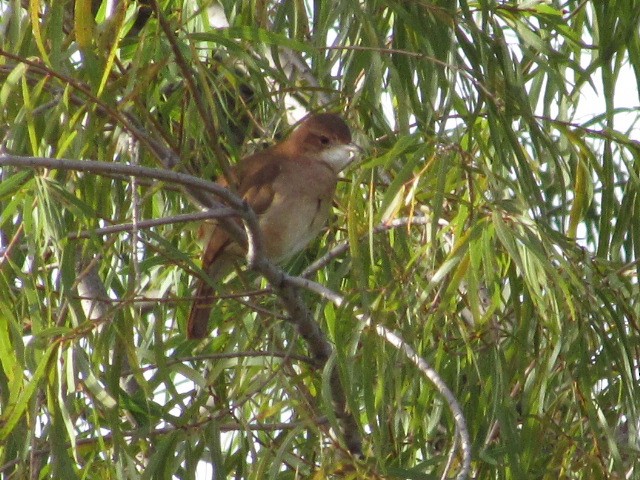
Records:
x=35, y=7
x=14, y=411
x=84, y=23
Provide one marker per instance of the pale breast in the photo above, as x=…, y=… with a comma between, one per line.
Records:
x=299, y=209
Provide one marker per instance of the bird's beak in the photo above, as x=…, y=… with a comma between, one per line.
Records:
x=354, y=148
x=340, y=156
x=355, y=151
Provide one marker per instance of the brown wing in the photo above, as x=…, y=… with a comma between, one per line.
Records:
x=257, y=174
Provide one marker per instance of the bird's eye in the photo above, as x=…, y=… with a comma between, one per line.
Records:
x=324, y=140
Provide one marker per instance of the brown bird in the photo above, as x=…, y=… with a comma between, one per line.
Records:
x=290, y=187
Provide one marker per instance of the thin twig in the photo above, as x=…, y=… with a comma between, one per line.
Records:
x=222, y=212
x=136, y=434
x=343, y=247
x=469, y=75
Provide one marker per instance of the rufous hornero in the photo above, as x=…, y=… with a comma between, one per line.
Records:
x=290, y=186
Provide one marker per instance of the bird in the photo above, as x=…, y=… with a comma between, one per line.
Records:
x=290, y=186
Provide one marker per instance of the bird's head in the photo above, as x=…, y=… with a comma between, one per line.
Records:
x=327, y=137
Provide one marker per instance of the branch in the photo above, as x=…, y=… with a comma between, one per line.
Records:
x=165, y=155
x=424, y=367
x=104, y=168
x=222, y=212
x=441, y=387
x=283, y=285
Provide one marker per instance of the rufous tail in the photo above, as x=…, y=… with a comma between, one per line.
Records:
x=198, y=322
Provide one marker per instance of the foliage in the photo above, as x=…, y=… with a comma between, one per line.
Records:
x=519, y=285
